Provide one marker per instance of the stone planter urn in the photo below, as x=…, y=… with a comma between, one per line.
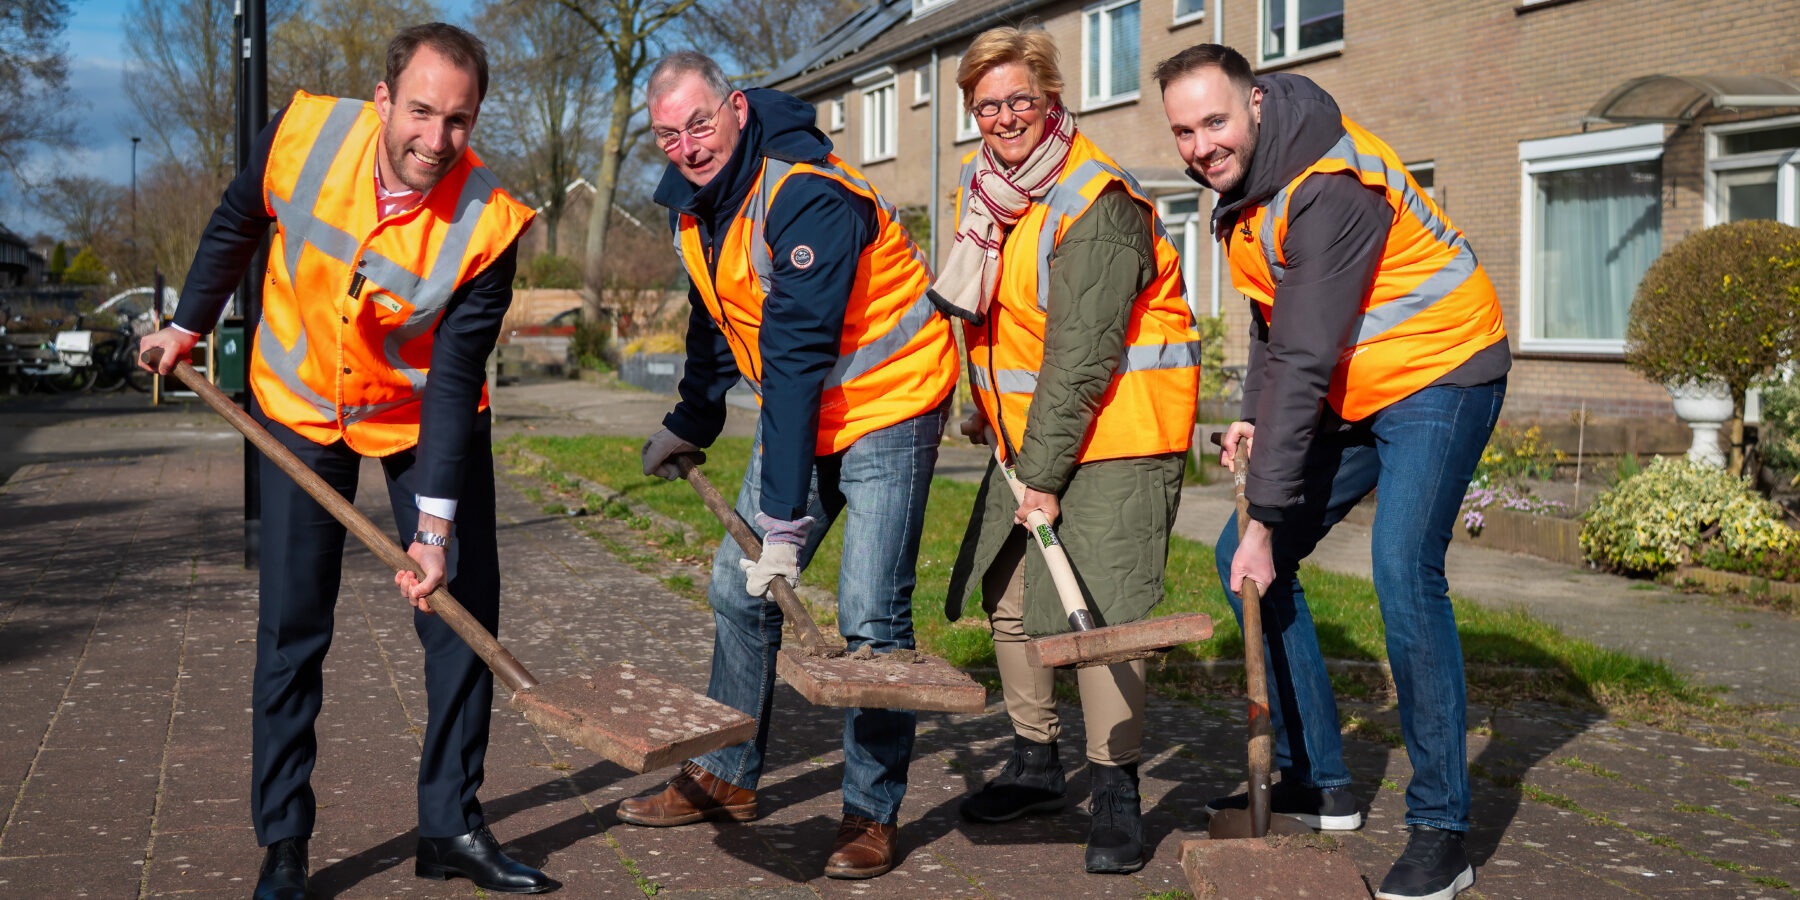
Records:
x=1704, y=406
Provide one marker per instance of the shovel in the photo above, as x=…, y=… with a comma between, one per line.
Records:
x=1252, y=852
x=1086, y=644
x=621, y=712
x=823, y=673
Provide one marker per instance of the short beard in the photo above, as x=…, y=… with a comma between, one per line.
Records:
x=396, y=155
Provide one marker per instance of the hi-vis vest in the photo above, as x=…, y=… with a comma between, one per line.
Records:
x=1430, y=307
x=1149, y=407
x=896, y=359
x=351, y=302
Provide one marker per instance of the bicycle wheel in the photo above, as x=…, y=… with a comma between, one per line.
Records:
x=110, y=368
x=135, y=378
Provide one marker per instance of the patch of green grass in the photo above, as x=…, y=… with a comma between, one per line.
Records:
x=1344, y=608
x=1588, y=767
x=1167, y=895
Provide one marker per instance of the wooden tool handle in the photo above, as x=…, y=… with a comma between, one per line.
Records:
x=810, y=639
x=1068, y=589
x=1262, y=731
x=509, y=670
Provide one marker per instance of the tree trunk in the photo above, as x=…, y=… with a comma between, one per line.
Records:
x=1734, y=454
x=605, y=188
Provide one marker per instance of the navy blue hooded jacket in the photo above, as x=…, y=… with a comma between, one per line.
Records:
x=803, y=315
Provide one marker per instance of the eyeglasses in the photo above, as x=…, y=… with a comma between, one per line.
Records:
x=991, y=108
x=700, y=130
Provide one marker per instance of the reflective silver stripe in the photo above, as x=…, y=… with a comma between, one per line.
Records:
x=1012, y=381
x=1375, y=322
x=285, y=363
x=757, y=211
x=298, y=224
x=880, y=350
x=1137, y=358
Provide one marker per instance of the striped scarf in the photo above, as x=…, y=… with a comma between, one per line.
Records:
x=997, y=198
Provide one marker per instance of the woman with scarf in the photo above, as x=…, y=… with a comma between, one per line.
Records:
x=1084, y=361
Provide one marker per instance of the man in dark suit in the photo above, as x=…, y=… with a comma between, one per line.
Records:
x=390, y=268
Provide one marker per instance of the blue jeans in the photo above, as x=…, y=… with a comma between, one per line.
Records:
x=878, y=487
x=1418, y=456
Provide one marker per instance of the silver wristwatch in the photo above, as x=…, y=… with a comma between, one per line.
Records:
x=431, y=539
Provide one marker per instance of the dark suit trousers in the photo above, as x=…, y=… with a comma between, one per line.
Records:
x=302, y=556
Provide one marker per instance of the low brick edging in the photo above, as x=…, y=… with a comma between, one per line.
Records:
x=688, y=535
x=1736, y=581
x=1550, y=537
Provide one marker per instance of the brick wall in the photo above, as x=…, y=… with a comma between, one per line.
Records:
x=1458, y=84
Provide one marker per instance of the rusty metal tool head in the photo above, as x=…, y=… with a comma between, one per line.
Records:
x=621, y=712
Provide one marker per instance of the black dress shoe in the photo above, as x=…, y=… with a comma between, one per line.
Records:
x=283, y=875
x=477, y=857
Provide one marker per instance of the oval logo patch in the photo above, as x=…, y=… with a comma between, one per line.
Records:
x=802, y=257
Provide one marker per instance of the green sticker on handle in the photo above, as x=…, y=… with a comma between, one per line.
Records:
x=1046, y=537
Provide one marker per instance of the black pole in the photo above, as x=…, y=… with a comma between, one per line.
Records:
x=134, y=143
x=252, y=69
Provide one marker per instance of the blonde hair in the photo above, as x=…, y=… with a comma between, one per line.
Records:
x=996, y=47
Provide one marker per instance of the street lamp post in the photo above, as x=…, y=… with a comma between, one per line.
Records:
x=134, y=143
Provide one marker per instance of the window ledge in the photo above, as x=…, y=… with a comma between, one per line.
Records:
x=1088, y=106
x=1553, y=353
x=1188, y=19
x=1526, y=6
x=965, y=138
x=1323, y=51
x=872, y=160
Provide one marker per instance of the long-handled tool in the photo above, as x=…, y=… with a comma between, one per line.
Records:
x=1253, y=852
x=1086, y=644
x=824, y=674
x=621, y=712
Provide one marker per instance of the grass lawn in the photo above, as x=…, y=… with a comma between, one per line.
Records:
x=1344, y=607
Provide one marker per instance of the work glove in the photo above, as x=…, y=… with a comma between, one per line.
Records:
x=660, y=451
x=782, y=540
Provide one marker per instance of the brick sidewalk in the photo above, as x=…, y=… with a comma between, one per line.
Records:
x=126, y=644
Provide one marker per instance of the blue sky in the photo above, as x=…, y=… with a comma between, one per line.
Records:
x=96, y=43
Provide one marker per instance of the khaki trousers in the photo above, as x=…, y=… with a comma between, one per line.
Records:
x=1112, y=697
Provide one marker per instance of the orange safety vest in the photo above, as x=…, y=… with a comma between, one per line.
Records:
x=351, y=303
x=896, y=359
x=1430, y=306
x=1149, y=407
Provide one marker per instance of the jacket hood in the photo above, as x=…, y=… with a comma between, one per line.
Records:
x=779, y=126
x=1300, y=122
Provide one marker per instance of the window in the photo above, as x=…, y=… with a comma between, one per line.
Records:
x=1753, y=171
x=921, y=7
x=879, y=117
x=1424, y=174
x=1592, y=223
x=1187, y=231
x=1296, y=29
x=837, y=114
x=965, y=126
x=1188, y=10
x=921, y=85
x=1109, y=38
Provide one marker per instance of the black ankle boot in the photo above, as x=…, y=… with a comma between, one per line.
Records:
x=1031, y=782
x=283, y=874
x=1116, y=837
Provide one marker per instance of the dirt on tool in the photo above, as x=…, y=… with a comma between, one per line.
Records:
x=867, y=653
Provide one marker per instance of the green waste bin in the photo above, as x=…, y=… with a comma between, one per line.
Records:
x=232, y=355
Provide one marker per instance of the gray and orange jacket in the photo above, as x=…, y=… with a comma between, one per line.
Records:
x=1363, y=291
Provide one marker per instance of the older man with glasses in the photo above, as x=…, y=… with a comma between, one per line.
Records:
x=805, y=285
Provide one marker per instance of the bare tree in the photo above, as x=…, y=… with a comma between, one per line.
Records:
x=174, y=202
x=34, y=74
x=179, y=78
x=89, y=209
x=536, y=131
x=761, y=34
x=626, y=30
x=338, y=47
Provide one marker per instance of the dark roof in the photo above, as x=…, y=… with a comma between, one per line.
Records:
x=7, y=235
x=886, y=31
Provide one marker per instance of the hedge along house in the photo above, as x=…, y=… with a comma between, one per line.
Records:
x=1571, y=140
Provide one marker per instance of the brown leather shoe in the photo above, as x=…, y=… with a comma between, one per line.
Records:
x=692, y=795
x=864, y=848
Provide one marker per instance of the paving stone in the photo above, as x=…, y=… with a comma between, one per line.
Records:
x=98, y=875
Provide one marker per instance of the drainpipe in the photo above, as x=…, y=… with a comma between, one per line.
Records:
x=933, y=201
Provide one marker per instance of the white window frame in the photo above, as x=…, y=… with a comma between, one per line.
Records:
x=1429, y=165
x=836, y=106
x=921, y=84
x=1181, y=18
x=1787, y=172
x=877, y=82
x=1089, y=102
x=966, y=129
x=1292, y=8
x=1191, y=245
x=1634, y=143
x=922, y=7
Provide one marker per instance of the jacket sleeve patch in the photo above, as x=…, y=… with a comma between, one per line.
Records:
x=801, y=257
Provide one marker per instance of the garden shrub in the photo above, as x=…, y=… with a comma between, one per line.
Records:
x=1661, y=518
x=657, y=342
x=1779, y=437
x=1513, y=453
x=1484, y=494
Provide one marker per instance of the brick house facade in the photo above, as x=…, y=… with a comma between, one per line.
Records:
x=1486, y=100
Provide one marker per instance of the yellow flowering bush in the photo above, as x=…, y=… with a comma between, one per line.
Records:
x=1659, y=519
x=1513, y=453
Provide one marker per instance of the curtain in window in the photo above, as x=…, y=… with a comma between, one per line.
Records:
x=1124, y=50
x=1598, y=229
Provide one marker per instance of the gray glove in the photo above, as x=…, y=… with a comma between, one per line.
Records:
x=659, y=451
x=781, y=545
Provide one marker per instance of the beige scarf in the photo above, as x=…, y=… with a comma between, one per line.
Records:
x=995, y=199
